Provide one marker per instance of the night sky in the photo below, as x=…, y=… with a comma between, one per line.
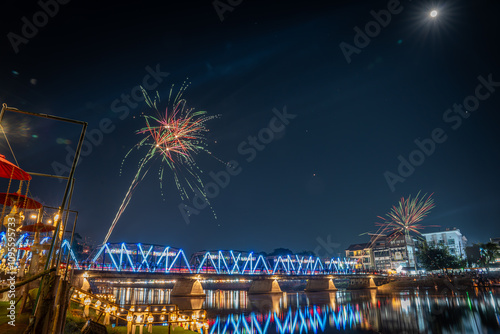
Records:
x=323, y=177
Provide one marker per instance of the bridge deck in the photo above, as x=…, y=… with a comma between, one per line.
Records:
x=175, y=276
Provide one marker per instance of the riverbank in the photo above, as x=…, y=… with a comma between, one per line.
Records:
x=452, y=283
x=75, y=322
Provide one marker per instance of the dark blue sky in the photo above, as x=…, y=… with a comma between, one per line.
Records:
x=324, y=174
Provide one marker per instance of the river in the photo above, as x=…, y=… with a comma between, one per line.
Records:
x=343, y=311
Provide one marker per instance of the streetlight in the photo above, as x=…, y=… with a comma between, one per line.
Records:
x=433, y=13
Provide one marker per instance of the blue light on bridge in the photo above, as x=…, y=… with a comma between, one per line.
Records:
x=152, y=258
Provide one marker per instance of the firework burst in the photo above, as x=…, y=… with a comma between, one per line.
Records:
x=174, y=137
x=404, y=218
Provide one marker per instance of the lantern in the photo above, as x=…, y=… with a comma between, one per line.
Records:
x=86, y=302
x=150, y=320
x=106, y=317
x=130, y=318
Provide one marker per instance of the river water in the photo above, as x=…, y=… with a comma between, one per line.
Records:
x=343, y=311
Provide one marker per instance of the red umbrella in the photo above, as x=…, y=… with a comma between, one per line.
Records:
x=38, y=227
x=10, y=171
x=23, y=202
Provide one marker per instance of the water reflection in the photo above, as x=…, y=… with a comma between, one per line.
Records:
x=363, y=311
x=226, y=300
x=187, y=303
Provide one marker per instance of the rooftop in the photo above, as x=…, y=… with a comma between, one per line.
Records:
x=448, y=230
x=354, y=247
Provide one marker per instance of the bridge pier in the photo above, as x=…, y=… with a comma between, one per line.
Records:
x=263, y=286
x=187, y=288
x=362, y=283
x=320, y=284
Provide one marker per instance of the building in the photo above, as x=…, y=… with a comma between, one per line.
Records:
x=361, y=253
x=402, y=252
x=450, y=238
x=381, y=253
x=393, y=251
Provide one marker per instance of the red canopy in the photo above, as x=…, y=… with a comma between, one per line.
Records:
x=23, y=202
x=10, y=171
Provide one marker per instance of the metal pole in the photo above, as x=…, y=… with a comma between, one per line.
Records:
x=57, y=118
x=48, y=175
x=65, y=224
x=71, y=182
x=53, y=207
x=4, y=106
x=68, y=259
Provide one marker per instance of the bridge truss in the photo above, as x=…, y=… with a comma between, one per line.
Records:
x=139, y=258
x=153, y=258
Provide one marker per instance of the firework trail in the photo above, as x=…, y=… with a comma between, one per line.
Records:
x=174, y=137
x=403, y=219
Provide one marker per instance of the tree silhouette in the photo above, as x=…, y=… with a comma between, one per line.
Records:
x=436, y=258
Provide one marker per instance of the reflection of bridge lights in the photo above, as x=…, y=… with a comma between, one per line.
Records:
x=293, y=321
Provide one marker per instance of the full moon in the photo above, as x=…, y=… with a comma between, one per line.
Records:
x=434, y=13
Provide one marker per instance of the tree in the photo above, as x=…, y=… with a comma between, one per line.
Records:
x=436, y=258
x=488, y=253
x=473, y=254
x=281, y=252
x=306, y=253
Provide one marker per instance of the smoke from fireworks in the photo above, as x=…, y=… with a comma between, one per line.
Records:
x=174, y=137
x=403, y=219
